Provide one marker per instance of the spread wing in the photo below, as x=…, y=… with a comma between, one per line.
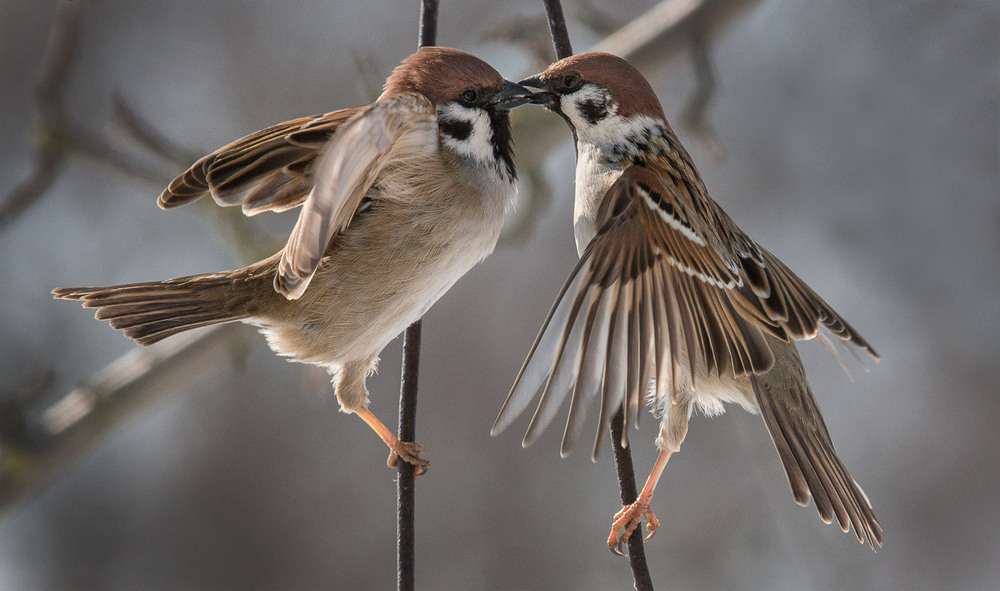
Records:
x=660, y=286
x=269, y=170
x=780, y=295
x=394, y=128
x=653, y=288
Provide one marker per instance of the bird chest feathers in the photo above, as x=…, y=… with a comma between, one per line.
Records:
x=594, y=175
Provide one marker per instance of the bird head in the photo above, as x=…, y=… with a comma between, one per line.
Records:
x=472, y=100
x=600, y=95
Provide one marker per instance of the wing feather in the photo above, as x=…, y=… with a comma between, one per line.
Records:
x=591, y=366
x=642, y=293
x=681, y=298
x=397, y=126
x=246, y=165
x=565, y=369
x=616, y=364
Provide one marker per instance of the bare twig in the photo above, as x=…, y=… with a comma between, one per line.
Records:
x=77, y=140
x=557, y=29
x=626, y=486
x=47, y=93
x=427, y=35
x=406, y=482
x=55, y=135
x=31, y=188
x=669, y=27
x=139, y=130
x=235, y=228
x=31, y=452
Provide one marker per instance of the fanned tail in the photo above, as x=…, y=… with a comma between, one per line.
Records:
x=806, y=449
x=150, y=312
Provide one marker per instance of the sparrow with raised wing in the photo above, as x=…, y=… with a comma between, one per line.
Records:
x=398, y=200
x=670, y=296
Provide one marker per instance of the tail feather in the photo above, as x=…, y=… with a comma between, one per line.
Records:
x=150, y=312
x=806, y=450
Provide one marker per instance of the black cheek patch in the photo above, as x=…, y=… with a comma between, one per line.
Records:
x=456, y=128
x=593, y=111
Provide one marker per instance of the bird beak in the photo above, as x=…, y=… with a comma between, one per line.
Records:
x=533, y=82
x=544, y=96
x=510, y=96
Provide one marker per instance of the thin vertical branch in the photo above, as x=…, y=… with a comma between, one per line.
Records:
x=623, y=455
x=557, y=28
x=406, y=481
x=428, y=23
x=626, y=484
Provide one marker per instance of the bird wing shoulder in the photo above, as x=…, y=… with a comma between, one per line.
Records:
x=393, y=128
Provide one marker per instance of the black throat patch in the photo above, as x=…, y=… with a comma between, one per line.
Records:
x=503, y=142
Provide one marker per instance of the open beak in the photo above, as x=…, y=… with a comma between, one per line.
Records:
x=510, y=96
x=543, y=96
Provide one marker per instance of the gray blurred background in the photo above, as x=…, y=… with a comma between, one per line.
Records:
x=861, y=147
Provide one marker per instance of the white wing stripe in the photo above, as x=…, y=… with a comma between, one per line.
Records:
x=674, y=223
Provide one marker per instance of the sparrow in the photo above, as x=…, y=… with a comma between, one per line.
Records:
x=670, y=301
x=398, y=200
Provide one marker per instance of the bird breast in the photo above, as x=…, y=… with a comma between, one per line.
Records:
x=429, y=222
x=594, y=176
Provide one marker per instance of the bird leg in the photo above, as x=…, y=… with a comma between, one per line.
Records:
x=408, y=451
x=631, y=515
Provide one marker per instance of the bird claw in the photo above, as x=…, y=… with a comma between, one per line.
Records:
x=409, y=452
x=629, y=518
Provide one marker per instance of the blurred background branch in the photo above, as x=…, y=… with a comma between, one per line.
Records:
x=55, y=135
x=37, y=445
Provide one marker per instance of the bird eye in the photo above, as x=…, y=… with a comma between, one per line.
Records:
x=571, y=81
x=469, y=96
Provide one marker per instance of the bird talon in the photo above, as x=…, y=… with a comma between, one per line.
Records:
x=628, y=519
x=619, y=549
x=652, y=524
x=409, y=452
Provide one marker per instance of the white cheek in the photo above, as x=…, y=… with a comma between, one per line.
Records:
x=478, y=146
x=608, y=131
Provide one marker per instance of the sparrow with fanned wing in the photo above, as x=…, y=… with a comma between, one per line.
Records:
x=671, y=302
